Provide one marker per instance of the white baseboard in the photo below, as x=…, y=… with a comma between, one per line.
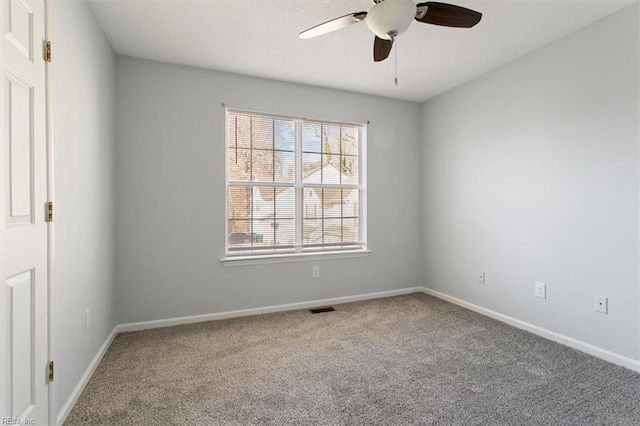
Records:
x=604, y=354
x=135, y=326
x=77, y=391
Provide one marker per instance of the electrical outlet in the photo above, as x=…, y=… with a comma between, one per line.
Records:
x=602, y=305
x=315, y=272
x=541, y=290
x=87, y=319
x=480, y=278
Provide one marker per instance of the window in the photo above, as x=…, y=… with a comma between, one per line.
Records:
x=293, y=185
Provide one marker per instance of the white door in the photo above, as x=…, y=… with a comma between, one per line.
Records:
x=23, y=227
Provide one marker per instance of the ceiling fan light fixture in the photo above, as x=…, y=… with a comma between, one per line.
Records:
x=390, y=17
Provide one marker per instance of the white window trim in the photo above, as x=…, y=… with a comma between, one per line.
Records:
x=293, y=257
x=297, y=256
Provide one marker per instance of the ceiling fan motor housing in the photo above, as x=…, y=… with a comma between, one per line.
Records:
x=391, y=17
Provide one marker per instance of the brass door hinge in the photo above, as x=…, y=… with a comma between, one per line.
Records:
x=50, y=371
x=47, y=51
x=50, y=211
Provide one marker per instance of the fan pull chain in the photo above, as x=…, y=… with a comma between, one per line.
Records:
x=395, y=80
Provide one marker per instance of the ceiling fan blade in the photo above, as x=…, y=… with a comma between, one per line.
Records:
x=447, y=15
x=381, y=49
x=333, y=25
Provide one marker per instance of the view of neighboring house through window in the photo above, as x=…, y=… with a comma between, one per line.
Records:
x=293, y=185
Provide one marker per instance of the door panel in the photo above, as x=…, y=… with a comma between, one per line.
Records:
x=19, y=24
x=23, y=229
x=20, y=145
x=22, y=342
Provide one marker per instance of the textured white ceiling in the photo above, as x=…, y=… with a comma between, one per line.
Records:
x=260, y=38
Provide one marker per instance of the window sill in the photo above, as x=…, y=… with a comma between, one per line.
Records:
x=292, y=257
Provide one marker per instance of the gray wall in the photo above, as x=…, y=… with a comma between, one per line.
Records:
x=531, y=174
x=170, y=160
x=84, y=100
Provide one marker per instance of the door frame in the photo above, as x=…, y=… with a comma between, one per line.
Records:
x=51, y=287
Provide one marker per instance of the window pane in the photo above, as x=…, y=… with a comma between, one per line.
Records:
x=285, y=135
x=261, y=133
x=263, y=203
x=350, y=203
x=239, y=233
x=331, y=169
x=239, y=164
x=311, y=168
x=312, y=231
x=311, y=137
x=242, y=131
x=349, y=169
x=285, y=203
x=350, y=140
x=332, y=202
x=331, y=140
x=285, y=166
x=312, y=203
x=284, y=157
x=262, y=165
x=285, y=232
x=332, y=231
x=263, y=232
x=239, y=202
x=350, y=230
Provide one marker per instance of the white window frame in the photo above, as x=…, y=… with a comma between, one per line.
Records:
x=299, y=253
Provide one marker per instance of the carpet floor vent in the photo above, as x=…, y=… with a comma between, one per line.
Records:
x=322, y=310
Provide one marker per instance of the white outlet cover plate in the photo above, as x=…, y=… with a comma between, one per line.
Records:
x=601, y=304
x=541, y=290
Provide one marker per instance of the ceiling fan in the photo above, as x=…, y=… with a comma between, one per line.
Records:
x=389, y=18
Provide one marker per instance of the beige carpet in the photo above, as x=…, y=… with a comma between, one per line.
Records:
x=403, y=360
